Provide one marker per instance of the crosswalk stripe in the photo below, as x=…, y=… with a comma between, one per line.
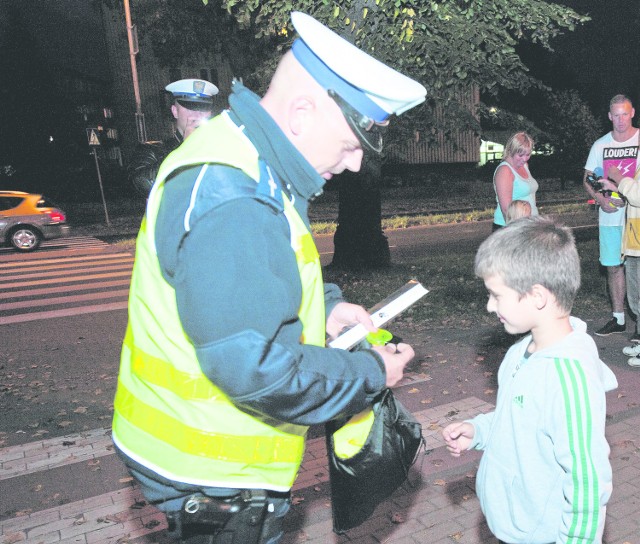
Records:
x=54, y=452
x=107, y=517
x=63, y=300
x=54, y=273
x=55, y=260
x=71, y=242
x=47, y=267
x=63, y=289
x=75, y=241
x=63, y=312
x=30, y=282
x=126, y=273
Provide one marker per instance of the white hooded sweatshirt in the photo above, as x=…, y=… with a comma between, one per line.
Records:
x=545, y=474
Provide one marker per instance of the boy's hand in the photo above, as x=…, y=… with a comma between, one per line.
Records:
x=458, y=437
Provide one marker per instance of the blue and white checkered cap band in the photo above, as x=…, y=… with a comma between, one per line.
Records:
x=186, y=95
x=328, y=79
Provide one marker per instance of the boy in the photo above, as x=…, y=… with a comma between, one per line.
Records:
x=545, y=475
x=517, y=209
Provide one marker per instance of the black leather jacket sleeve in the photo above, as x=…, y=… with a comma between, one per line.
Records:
x=143, y=167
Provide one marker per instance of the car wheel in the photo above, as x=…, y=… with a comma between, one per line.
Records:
x=25, y=238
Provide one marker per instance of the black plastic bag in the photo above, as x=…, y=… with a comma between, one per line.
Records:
x=360, y=483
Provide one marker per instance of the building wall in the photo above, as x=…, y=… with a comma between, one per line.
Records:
x=462, y=146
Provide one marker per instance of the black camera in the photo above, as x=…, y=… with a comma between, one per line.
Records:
x=595, y=183
x=598, y=186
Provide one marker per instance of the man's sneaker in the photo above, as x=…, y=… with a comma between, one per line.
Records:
x=611, y=327
x=635, y=339
x=632, y=351
x=634, y=361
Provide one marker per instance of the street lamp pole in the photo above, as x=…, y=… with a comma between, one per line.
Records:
x=133, y=50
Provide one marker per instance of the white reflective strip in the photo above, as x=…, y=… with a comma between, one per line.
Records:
x=194, y=194
x=272, y=183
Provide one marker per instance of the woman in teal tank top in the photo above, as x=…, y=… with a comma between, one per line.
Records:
x=512, y=179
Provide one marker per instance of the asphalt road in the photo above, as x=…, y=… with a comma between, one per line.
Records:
x=59, y=373
x=406, y=244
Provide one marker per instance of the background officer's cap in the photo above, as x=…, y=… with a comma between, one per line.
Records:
x=194, y=94
x=367, y=91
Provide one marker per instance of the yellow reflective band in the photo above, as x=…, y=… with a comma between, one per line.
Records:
x=352, y=436
x=160, y=373
x=222, y=447
x=308, y=251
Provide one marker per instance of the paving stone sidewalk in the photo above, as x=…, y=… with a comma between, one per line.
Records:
x=440, y=507
x=73, y=489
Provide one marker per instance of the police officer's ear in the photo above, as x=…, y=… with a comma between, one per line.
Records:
x=302, y=111
x=174, y=111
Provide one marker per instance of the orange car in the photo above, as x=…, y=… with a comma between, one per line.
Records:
x=26, y=219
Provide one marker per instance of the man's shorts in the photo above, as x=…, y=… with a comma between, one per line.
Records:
x=611, y=245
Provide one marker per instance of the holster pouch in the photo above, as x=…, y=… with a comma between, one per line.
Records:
x=220, y=520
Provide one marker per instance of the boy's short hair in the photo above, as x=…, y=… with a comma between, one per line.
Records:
x=517, y=209
x=530, y=251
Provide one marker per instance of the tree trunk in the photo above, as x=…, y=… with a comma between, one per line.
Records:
x=359, y=241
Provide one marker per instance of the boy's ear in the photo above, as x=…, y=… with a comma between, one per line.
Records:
x=541, y=295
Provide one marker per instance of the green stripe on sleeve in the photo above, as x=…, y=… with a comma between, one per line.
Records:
x=579, y=420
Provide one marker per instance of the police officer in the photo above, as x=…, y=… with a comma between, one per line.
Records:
x=224, y=364
x=192, y=104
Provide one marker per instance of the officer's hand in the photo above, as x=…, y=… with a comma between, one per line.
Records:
x=344, y=315
x=396, y=358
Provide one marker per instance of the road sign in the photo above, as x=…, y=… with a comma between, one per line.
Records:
x=92, y=136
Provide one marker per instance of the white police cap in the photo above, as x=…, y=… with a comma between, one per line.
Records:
x=371, y=87
x=192, y=91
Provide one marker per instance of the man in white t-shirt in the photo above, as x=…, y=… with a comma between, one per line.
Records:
x=618, y=148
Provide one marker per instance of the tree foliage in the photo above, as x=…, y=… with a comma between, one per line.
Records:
x=180, y=29
x=449, y=45
x=572, y=129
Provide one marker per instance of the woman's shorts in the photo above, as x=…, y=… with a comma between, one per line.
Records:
x=611, y=245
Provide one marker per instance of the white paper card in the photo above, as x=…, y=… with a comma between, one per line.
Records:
x=382, y=312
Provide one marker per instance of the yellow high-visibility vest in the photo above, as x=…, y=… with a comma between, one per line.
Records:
x=168, y=416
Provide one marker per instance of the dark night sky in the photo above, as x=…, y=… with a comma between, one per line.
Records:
x=42, y=134
x=67, y=33
x=600, y=59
